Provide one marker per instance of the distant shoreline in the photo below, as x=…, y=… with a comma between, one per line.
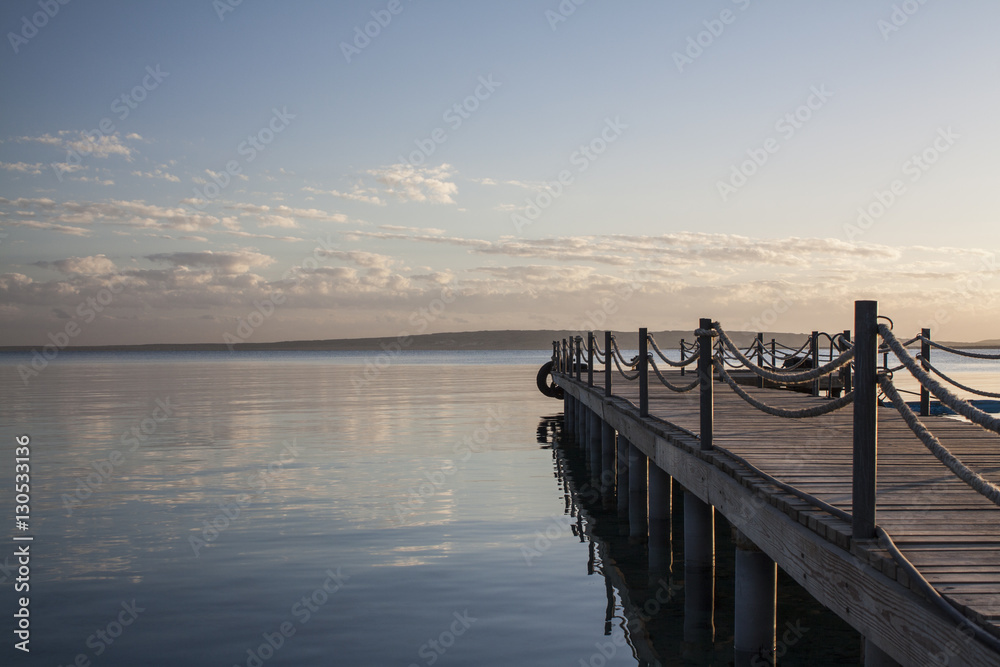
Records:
x=491, y=341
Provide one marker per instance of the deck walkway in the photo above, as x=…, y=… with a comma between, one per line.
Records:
x=949, y=532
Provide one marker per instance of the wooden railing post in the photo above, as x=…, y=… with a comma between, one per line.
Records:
x=925, y=355
x=706, y=373
x=579, y=356
x=814, y=352
x=643, y=374
x=760, y=357
x=607, y=363
x=683, y=357
x=774, y=354
x=865, y=418
x=590, y=358
x=848, y=383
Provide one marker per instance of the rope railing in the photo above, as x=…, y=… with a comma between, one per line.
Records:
x=675, y=364
x=669, y=385
x=960, y=406
x=961, y=353
x=784, y=378
x=866, y=380
x=619, y=360
x=977, y=392
x=963, y=472
x=618, y=354
x=815, y=411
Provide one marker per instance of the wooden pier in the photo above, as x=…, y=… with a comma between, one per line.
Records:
x=851, y=503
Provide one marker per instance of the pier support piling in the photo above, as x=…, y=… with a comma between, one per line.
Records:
x=756, y=598
x=637, y=513
x=699, y=573
x=622, y=481
x=596, y=447
x=660, y=509
x=607, y=460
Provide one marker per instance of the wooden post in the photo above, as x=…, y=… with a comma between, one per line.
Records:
x=925, y=355
x=865, y=418
x=706, y=373
x=622, y=477
x=754, y=623
x=565, y=357
x=760, y=357
x=607, y=461
x=579, y=356
x=643, y=374
x=590, y=358
x=638, y=526
x=607, y=363
x=847, y=369
x=683, y=357
x=774, y=354
x=814, y=351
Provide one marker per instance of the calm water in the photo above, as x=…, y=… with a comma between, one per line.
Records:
x=347, y=509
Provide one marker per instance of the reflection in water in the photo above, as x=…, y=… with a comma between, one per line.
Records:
x=675, y=602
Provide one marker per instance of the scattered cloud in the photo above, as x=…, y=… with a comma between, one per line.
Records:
x=417, y=184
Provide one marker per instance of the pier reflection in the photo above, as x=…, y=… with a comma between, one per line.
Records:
x=674, y=601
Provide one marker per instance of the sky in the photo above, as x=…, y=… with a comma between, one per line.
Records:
x=253, y=171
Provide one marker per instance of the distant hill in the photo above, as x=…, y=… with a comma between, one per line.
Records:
x=517, y=339
x=466, y=340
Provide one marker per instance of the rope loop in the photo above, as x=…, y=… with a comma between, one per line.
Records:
x=962, y=407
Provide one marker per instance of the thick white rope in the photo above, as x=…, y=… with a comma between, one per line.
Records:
x=675, y=364
x=961, y=353
x=666, y=383
x=963, y=472
x=964, y=408
x=785, y=378
x=816, y=411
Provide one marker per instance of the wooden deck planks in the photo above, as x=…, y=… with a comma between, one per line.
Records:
x=947, y=530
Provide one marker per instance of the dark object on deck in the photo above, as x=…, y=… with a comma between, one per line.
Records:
x=804, y=363
x=545, y=384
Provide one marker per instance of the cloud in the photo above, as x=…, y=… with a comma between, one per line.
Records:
x=225, y=262
x=358, y=193
x=360, y=257
x=418, y=184
x=86, y=144
x=23, y=167
x=94, y=265
x=157, y=173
